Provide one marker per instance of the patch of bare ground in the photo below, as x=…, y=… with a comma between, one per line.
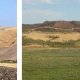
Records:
x=9, y=53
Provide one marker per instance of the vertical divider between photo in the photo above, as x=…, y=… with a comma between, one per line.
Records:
x=19, y=39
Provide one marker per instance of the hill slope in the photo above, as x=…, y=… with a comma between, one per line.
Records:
x=54, y=26
x=9, y=53
x=8, y=45
x=7, y=36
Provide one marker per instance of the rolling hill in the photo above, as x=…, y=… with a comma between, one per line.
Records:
x=54, y=26
x=8, y=45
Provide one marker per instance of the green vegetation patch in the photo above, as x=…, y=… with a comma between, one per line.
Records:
x=51, y=64
x=53, y=37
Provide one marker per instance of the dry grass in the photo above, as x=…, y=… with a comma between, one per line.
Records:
x=12, y=65
x=7, y=36
x=62, y=36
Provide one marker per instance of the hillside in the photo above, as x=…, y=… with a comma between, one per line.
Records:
x=8, y=45
x=9, y=53
x=56, y=34
x=54, y=26
x=7, y=37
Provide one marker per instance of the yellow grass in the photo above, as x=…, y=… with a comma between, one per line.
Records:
x=7, y=36
x=12, y=65
x=62, y=36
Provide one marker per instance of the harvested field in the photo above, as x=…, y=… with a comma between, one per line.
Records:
x=7, y=37
x=11, y=65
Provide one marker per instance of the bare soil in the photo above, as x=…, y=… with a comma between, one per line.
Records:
x=9, y=53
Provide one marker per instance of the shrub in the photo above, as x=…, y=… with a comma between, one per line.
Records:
x=53, y=37
x=29, y=41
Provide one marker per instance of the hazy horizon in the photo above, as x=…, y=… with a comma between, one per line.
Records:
x=7, y=26
x=49, y=20
x=38, y=11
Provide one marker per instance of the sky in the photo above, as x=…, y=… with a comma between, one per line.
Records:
x=8, y=12
x=38, y=11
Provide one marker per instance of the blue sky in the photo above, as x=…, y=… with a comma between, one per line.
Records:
x=8, y=12
x=36, y=11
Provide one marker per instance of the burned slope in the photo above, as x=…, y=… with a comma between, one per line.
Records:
x=9, y=53
x=8, y=73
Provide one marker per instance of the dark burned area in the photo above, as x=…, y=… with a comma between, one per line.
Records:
x=8, y=73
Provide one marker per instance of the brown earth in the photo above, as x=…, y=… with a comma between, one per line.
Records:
x=63, y=25
x=9, y=53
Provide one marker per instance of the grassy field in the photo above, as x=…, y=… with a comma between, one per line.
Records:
x=51, y=64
